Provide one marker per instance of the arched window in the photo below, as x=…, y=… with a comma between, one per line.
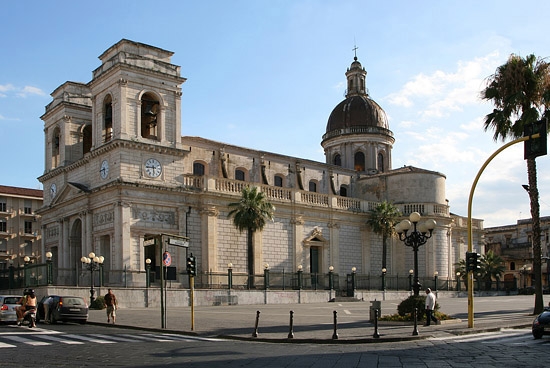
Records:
x=380, y=162
x=359, y=164
x=86, y=139
x=150, y=108
x=107, y=119
x=337, y=160
x=312, y=186
x=278, y=181
x=198, y=169
x=239, y=175
x=343, y=191
x=56, y=141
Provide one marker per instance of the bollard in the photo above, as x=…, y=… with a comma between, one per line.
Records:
x=335, y=334
x=415, y=330
x=291, y=332
x=376, y=335
x=255, y=333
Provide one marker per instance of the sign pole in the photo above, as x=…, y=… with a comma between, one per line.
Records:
x=192, y=292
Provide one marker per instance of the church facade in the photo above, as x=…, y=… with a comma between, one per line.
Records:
x=117, y=169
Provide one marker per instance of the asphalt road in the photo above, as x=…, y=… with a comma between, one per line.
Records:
x=105, y=346
x=101, y=345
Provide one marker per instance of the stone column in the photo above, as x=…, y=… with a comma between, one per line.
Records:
x=333, y=248
x=298, y=236
x=122, y=252
x=209, y=233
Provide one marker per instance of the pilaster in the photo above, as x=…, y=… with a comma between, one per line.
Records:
x=209, y=225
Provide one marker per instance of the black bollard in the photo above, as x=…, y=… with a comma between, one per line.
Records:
x=291, y=332
x=335, y=334
x=415, y=331
x=255, y=333
x=376, y=335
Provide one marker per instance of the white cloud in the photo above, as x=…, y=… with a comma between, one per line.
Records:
x=7, y=89
x=440, y=93
x=30, y=90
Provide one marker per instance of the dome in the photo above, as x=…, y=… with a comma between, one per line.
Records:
x=357, y=111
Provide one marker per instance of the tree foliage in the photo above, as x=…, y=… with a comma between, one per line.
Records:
x=250, y=214
x=520, y=93
x=382, y=220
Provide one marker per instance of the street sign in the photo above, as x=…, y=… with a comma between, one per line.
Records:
x=178, y=242
x=149, y=242
x=166, y=259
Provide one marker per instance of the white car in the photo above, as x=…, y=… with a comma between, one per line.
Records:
x=7, y=308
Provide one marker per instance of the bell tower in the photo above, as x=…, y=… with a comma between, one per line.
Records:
x=137, y=96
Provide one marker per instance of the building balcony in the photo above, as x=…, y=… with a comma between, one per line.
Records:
x=27, y=214
x=306, y=198
x=28, y=234
x=7, y=213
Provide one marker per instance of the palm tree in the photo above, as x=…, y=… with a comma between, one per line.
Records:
x=520, y=92
x=492, y=267
x=251, y=214
x=382, y=220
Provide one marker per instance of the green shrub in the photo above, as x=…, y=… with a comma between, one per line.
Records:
x=98, y=303
x=406, y=307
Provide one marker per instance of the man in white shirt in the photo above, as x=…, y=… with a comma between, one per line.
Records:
x=430, y=307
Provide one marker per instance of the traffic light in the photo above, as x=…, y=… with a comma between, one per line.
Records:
x=536, y=146
x=473, y=261
x=192, y=265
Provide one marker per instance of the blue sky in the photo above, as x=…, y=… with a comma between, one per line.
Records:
x=267, y=74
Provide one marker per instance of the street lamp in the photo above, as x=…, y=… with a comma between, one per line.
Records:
x=524, y=270
x=330, y=280
x=92, y=263
x=457, y=280
x=416, y=238
x=27, y=260
x=266, y=276
x=49, y=271
x=384, y=270
x=229, y=275
x=353, y=271
x=148, y=272
x=435, y=280
x=300, y=272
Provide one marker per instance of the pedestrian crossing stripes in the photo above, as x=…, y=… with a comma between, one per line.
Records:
x=41, y=337
x=505, y=337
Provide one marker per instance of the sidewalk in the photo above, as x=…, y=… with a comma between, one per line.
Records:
x=312, y=323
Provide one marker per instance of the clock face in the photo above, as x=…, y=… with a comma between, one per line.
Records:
x=153, y=168
x=104, y=170
x=53, y=190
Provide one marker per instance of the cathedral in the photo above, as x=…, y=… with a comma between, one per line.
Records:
x=117, y=170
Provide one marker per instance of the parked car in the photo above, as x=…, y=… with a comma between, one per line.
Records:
x=7, y=308
x=64, y=309
x=541, y=324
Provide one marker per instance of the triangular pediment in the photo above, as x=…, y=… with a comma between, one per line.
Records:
x=69, y=191
x=316, y=235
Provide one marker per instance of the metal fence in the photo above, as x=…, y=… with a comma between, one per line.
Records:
x=28, y=275
x=31, y=275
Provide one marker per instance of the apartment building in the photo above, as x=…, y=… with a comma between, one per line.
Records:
x=20, y=235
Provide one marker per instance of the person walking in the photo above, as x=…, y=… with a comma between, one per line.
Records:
x=430, y=307
x=111, y=303
x=48, y=306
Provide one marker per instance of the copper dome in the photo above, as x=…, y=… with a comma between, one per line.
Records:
x=357, y=111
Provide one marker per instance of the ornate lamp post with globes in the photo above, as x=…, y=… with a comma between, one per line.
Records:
x=92, y=263
x=414, y=239
x=49, y=270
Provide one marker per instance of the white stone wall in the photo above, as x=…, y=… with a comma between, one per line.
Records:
x=350, y=249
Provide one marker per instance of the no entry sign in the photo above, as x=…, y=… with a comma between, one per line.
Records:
x=166, y=259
